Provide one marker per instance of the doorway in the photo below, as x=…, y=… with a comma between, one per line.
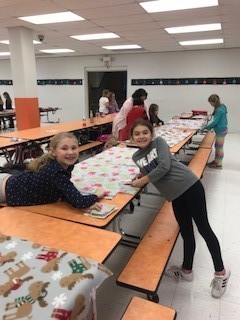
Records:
x=115, y=81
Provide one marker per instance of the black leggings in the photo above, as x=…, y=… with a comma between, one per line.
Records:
x=192, y=205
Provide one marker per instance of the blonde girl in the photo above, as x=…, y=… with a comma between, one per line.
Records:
x=48, y=178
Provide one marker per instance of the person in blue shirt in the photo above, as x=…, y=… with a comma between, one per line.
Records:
x=48, y=179
x=219, y=124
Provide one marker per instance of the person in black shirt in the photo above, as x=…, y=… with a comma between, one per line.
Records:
x=153, y=114
x=8, y=106
x=1, y=117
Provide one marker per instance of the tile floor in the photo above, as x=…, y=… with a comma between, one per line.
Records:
x=190, y=300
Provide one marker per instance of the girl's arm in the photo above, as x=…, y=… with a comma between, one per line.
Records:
x=161, y=122
x=216, y=117
x=72, y=195
x=107, y=104
x=140, y=182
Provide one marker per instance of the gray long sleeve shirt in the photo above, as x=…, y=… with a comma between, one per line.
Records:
x=167, y=174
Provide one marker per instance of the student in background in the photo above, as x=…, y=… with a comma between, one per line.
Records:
x=104, y=102
x=120, y=120
x=8, y=106
x=1, y=103
x=113, y=105
x=2, y=121
x=137, y=112
x=219, y=124
x=153, y=115
x=111, y=142
x=177, y=183
x=48, y=179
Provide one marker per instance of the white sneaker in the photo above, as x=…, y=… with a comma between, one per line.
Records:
x=178, y=274
x=219, y=284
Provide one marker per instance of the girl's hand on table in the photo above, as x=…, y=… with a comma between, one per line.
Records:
x=100, y=193
x=96, y=206
x=137, y=183
x=140, y=182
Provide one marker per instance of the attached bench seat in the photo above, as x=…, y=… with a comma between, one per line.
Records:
x=145, y=268
x=208, y=140
x=140, y=309
x=199, y=161
x=90, y=146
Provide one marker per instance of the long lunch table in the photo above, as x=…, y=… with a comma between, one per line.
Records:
x=50, y=268
x=11, y=145
x=174, y=149
x=106, y=170
x=43, y=132
x=176, y=138
x=65, y=211
x=103, y=170
x=44, y=111
x=196, y=123
x=7, y=113
x=83, y=240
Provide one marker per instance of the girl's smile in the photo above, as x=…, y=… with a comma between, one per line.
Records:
x=66, y=152
x=142, y=136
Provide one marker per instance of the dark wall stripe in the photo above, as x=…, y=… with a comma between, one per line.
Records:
x=185, y=81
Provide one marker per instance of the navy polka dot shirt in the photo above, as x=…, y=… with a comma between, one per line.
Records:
x=51, y=184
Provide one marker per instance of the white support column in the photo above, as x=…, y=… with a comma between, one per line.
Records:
x=23, y=67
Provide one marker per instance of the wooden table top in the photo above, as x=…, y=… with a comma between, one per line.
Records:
x=173, y=149
x=7, y=113
x=86, y=241
x=145, y=310
x=65, y=211
x=179, y=145
x=51, y=130
x=6, y=142
x=33, y=133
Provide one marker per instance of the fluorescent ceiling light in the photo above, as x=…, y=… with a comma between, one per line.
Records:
x=4, y=53
x=200, y=42
x=57, y=50
x=52, y=18
x=7, y=42
x=194, y=28
x=96, y=36
x=119, y=47
x=171, y=5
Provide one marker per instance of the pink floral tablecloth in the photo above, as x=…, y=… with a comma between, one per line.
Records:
x=109, y=170
x=171, y=135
